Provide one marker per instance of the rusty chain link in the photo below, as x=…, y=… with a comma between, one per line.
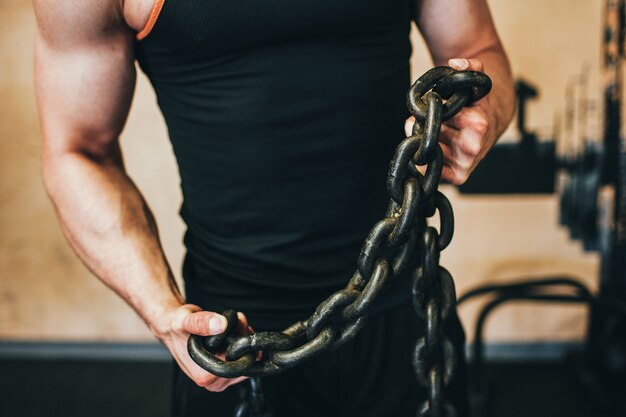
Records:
x=400, y=240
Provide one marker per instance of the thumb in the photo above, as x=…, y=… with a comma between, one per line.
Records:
x=189, y=319
x=461, y=64
x=408, y=126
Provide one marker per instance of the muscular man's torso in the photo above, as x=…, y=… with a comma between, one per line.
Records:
x=283, y=115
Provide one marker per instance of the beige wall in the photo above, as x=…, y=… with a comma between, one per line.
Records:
x=45, y=293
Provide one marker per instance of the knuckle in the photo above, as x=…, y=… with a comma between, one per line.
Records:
x=467, y=115
x=479, y=121
x=481, y=126
x=476, y=64
x=458, y=180
x=459, y=177
x=178, y=327
x=470, y=147
x=179, y=324
x=459, y=120
x=204, y=380
x=181, y=317
x=192, y=324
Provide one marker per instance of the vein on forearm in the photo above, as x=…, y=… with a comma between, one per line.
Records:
x=108, y=223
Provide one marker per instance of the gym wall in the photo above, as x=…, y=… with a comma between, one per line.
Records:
x=46, y=293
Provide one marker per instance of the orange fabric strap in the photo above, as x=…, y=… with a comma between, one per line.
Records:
x=154, y=15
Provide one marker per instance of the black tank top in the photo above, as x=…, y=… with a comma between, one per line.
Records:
x=283, y=115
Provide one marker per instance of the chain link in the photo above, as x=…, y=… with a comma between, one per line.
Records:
x=400, y=240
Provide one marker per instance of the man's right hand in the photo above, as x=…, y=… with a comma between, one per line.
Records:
x=190, y=319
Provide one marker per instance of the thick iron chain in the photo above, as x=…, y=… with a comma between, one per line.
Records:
x=399, y=241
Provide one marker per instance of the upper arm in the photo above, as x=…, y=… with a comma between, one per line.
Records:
x=456, y=28
x=84, y=75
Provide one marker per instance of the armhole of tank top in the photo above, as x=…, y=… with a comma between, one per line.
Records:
x=154, y=15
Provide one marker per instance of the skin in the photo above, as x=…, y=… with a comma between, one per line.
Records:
x=85, y=78
x=466, y=138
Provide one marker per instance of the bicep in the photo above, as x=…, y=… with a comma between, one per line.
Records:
x=84, y=79
x=456, y=28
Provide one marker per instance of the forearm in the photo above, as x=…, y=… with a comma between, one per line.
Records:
x=109, y=225
x=85, y=78
x=465, y=29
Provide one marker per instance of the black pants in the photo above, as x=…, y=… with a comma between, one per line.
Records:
x=370, y=376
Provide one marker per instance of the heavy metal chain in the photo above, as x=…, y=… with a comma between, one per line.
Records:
x=400, y=241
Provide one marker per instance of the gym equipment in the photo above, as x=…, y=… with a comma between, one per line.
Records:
x=401, y=241
x=591, y=173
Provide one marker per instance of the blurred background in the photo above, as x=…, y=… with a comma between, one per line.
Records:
x=51, y=307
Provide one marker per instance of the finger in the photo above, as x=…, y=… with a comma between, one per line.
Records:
x=457, y=167
x=447, y=173
x=244, y=328
x=447, y=156
x=242, y=323
x=178, y=319
x=198, y=375
x=467, y=144
x=221, y=384
x=236, y=380
x=408, y=126
x=462, y=64
x=217, y=384
x=207, y=380
x=472, y=118
x=458, y=160
x=239, y=380
x=453, y=164
x=448, y=135
x=447, y=152
x=203, y=323
x=421, y=168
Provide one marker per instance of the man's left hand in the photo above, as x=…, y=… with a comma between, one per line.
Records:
x=467, y=137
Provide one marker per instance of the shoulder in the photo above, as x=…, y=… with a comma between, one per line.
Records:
x=63, y=18
x=136, y=13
